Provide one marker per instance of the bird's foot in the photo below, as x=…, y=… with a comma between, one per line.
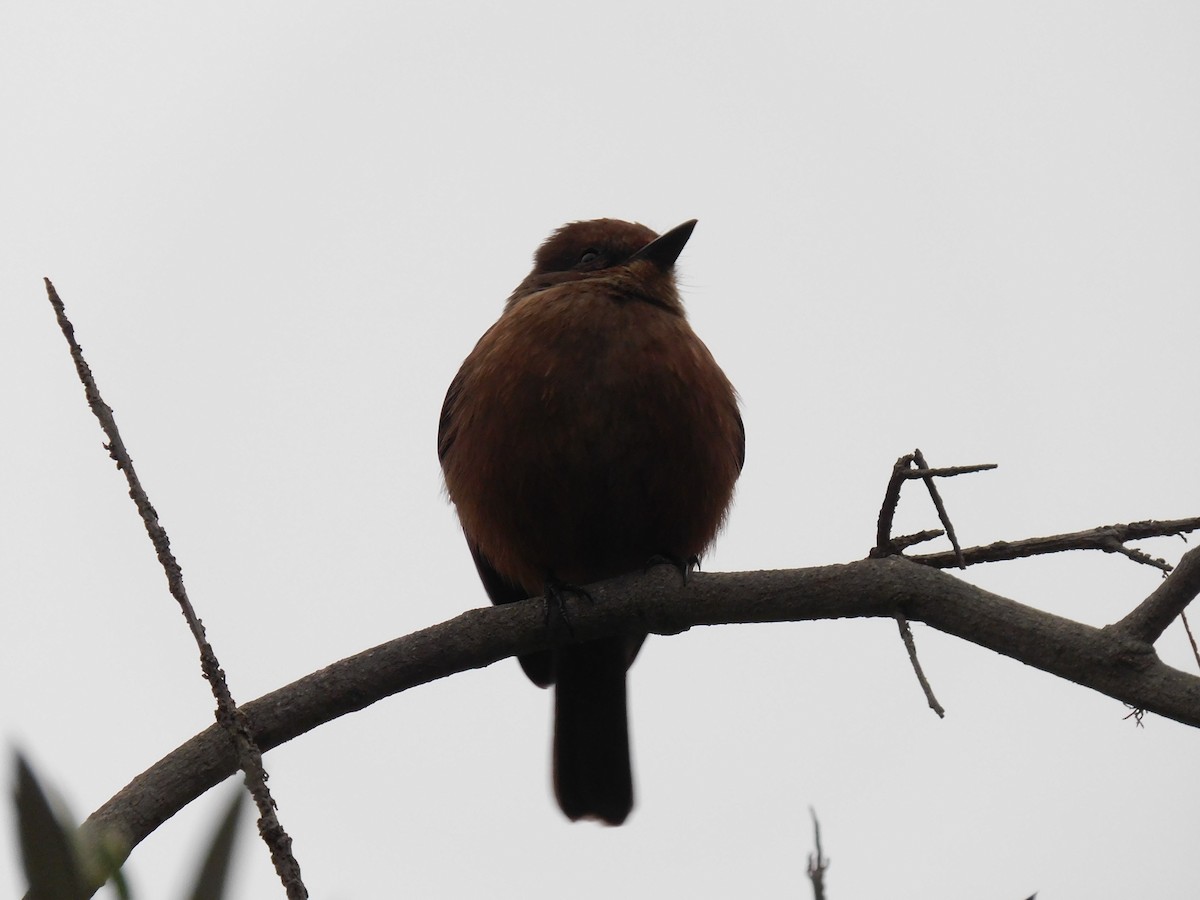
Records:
x=683, y=565
x=555, y=592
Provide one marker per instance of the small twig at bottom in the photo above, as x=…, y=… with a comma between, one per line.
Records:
x=911, y=646
x=817, y=864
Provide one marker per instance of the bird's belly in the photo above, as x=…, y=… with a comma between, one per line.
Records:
x=597, y=477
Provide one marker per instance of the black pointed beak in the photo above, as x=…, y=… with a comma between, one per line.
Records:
x=664, y=250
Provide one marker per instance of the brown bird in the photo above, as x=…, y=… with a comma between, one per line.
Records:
x=588, y=432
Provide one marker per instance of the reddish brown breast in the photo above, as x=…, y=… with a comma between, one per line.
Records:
x=588, y=431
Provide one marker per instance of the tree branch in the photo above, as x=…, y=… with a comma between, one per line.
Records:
x=1109, y=538
x=1169, y=600
x=1110, y=660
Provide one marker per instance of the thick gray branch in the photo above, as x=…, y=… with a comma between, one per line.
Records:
x=1109, y=660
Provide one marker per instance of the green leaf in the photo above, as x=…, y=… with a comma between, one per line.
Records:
x=48, y=850
x=210, y=884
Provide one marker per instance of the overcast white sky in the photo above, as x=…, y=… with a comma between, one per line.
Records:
x=279, y=228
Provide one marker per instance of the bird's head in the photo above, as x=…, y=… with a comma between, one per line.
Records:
x=631, y=257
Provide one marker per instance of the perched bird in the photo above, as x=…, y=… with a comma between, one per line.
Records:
x=588, y=432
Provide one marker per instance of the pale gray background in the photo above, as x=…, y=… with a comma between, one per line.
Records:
x=279, y=228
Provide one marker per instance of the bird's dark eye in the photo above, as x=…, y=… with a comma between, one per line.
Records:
x=589, y=256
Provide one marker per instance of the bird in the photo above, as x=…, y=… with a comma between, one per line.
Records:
x=588, y=433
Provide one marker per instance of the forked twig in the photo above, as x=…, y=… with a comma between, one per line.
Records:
x=228, y=715
x=906, y=468
x=910, y=466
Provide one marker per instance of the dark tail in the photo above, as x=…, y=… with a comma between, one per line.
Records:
x=592, y=775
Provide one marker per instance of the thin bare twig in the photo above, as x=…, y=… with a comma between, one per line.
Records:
x=911, y=646
x=1191, y=637
x=947, y=471
x=817, y=864
x=919, y=459
x=887, y=511
x=1109, y=538
x=911, y=540
x=228, y=715
x=1139, y=556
